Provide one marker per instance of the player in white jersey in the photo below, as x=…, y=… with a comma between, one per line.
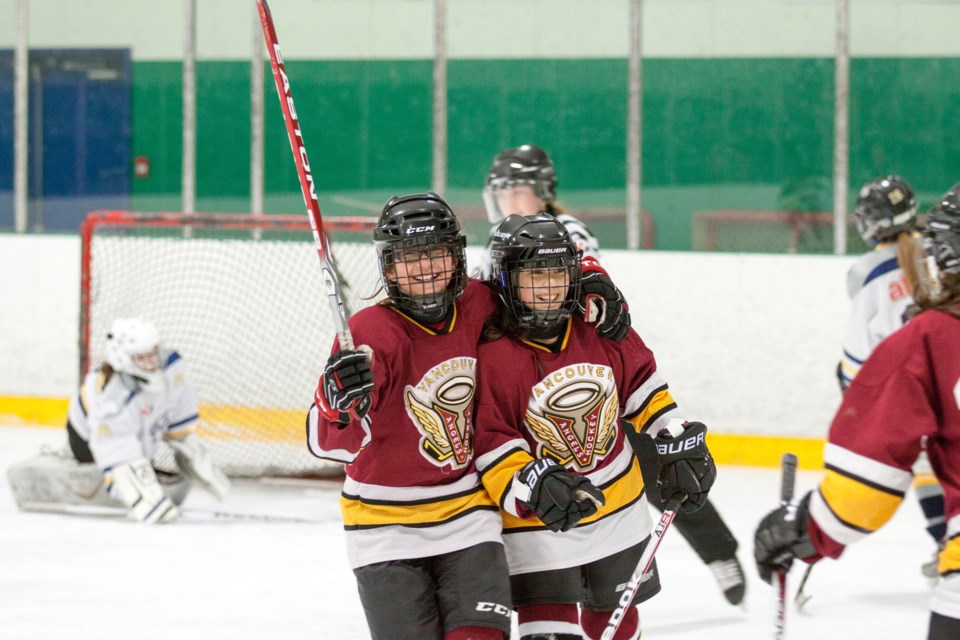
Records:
x=138, y=397
x=522, y=180
x=886, y=214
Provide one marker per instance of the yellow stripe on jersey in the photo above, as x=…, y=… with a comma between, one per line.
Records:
x=658, y=402
x=497, y=478
x=180, y=434
x=857, y=504
x=358, y=514
x=950, y=557
x=623, y=491
x=849, y=368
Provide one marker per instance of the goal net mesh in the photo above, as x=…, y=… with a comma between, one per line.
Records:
x=240, y=297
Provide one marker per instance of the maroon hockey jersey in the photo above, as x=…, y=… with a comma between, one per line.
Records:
x=567, y=403
x=412, y=489
x=906, y=394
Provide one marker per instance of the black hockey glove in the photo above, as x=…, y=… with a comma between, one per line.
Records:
x=600, y=300
x=558, y=497
x=686, y=466
x=345, y=386
x=781, y=537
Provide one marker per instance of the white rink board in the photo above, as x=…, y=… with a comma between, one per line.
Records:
x=748, y=342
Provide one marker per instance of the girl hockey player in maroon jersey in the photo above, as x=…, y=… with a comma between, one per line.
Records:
x=570, y=394
x=523, y=180
x=886, y=215
x=906, y=395
x=423, y=535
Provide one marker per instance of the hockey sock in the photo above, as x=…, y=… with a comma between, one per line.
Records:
x=474, y=633
x=555, y=621
x=930, y=496
x=594, y=622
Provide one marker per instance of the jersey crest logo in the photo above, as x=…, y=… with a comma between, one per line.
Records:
x=440, y=405
x=573, y=414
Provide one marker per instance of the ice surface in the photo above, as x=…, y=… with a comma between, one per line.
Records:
x=74, y=578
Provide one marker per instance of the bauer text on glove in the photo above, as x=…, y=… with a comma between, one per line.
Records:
x=686, y=466
x=558, y=497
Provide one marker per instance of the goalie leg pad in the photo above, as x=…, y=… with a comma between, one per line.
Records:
x=57, y=479
x=135, y=484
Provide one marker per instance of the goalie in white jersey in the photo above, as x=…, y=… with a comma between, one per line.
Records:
x=886, y=214
x=138, y=397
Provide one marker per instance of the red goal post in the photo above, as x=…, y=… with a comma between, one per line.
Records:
x=240, y=297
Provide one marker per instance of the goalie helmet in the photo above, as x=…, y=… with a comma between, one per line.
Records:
x=943, y=232
x=133, y=348
x=526, y=164
x=885, y=207
x=420, y=225
x=534, y=243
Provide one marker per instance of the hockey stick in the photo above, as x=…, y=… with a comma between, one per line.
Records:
x=788, y=477
x=801, y=598
x=307, y=186
x=669, y=513
x=113, y=512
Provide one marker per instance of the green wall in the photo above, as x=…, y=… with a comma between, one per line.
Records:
x=718, y=133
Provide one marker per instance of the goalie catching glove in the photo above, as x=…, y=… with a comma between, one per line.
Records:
x=194, y=460
x=345, y=386
x=781, y=537
x=686, y=466
x=601, y=302
x=135, y=485
x=559, y=498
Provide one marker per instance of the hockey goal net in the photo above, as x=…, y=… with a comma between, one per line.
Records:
x=240, y=297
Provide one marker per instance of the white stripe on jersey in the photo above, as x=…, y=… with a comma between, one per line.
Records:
x=870, y=470
x=380, y=544
x=946, y=597
x=483, y=463
x=642, y=395
x=953, y=527
x=336, y=455
x=410, y=494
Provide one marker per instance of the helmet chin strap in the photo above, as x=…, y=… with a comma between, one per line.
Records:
x=430, y=316
x=546, y=333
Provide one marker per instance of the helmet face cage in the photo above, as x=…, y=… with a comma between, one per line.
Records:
x=525, y=165
x=885, y=207
x=942, y=240
x=522, y=263
x=429, y=251
x=414, y=235
x=133, y=349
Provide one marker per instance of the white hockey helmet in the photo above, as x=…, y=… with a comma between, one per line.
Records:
x=133, y=348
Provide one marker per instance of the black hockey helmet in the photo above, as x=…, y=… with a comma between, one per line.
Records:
x=532, y=243
x=420, y=227
x=885, y=207
x=943, y=231
x=526, y=164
